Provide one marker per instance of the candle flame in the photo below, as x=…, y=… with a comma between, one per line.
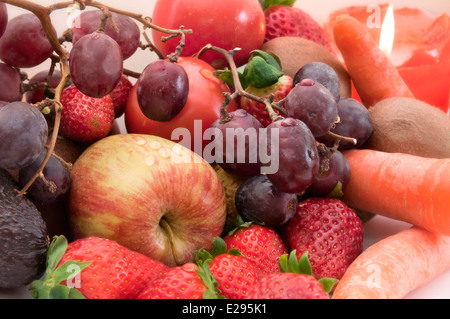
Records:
x=387, y=32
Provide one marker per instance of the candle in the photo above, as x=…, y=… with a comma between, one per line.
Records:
x=420, y=51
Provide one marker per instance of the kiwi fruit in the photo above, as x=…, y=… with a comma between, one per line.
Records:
x=295, y=52
x=406, y=125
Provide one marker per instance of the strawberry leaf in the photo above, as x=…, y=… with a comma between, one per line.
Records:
x=290, y=263
x=266, y=4
x=328, y=283
x=260, y=73
x=211, y=292
x=69, y=269
x=56, y=251
x=219, y=247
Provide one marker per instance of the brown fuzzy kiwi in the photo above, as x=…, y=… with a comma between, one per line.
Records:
x=406, y=125
x=295, y=52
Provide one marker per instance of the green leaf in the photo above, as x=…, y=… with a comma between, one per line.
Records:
x=219, y=247
x=293, y=265
x=337, y=191
x=68, y=269
x=283, y=263
x=328, y=283
x=38, y=290
x=59, y=292
x=266, y=4
x=270, y=58
x=235, y=252
x=260, y=74
x=56, y=251
x=75, y=294
x=304, y=266
x=212, y=292
x=226, y=76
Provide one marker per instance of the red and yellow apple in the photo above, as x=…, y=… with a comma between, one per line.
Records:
x=149, y=194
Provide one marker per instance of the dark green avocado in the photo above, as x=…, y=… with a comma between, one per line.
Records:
x=23, y=237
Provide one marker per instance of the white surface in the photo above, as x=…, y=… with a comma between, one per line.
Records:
x=376, y=229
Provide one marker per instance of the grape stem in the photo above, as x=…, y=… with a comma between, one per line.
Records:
x=239, y=90
x=43, y=14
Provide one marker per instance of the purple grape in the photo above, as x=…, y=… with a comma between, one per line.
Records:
x=24, y=43
x=128, y=35
x=38, y=94
x=258, y=200
x=314, y=105
x=96, y=64
x=162, y=90
x=3, y=18
x=338, y=171
x=10, y=84
x=355, y=122
x=298, y=157
x=240, y=154
x=321, y=73
x=54, y=171
x=23, y=134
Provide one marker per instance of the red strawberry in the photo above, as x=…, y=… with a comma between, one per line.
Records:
x=258, y=110
x=108, y=270
x=329, y=231
x=188, y=281
x=85, y=119
x=234, y=273
x=119, y=95
x=284, y=20
x=293, y=282
x=261, y=245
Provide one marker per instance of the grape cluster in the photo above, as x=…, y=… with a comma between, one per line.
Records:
x=309, y=158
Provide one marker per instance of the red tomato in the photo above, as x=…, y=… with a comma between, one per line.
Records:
x=227, y=24
x=204, y=102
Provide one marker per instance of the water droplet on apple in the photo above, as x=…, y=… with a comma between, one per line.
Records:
x=155, y=145
x=150, y=160
x=164, y=152
x=177, y=149
x=141, y=141
x=207, y=74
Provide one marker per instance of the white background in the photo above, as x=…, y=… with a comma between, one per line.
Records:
x=376, y=229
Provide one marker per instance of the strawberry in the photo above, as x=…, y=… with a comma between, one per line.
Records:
x=106, y=270
x=294, y=281
x=188, y=281
x=258, y=110
x=283, y=20
x=85, y=119
x=119, y=95
x=329, y=231
x=234, y=273
x=261, y=245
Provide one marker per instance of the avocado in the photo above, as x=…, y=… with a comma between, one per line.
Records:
x=23, y=237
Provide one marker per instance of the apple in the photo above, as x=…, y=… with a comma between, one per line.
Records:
x=149, y=194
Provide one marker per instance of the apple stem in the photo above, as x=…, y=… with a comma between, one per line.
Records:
x=165, y=225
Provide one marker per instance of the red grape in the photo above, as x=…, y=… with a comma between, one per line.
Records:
x=24, y=43
x=23, y=132
x=258, y=200
x=338, y=172
x=127, y=36
x=239, y=143
x=9, y=84
x=96, y=64
x=355, y=122
x=3, y=18
x=38, y=94
x=162, y=90
x=321, y=73
x=54, y=171
x=313, y=104
x=298, y=157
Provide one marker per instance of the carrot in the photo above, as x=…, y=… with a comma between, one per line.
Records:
x=404, y=187
x=374, y=75
x=395, y=266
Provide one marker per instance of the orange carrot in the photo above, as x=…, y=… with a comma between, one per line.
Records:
x=404, y=187
x=374, y=75
x=395, y=266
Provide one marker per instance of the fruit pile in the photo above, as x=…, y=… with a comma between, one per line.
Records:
x=247, y=169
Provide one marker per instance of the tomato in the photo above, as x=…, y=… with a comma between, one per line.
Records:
x=227, y=24
x=202, y=108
